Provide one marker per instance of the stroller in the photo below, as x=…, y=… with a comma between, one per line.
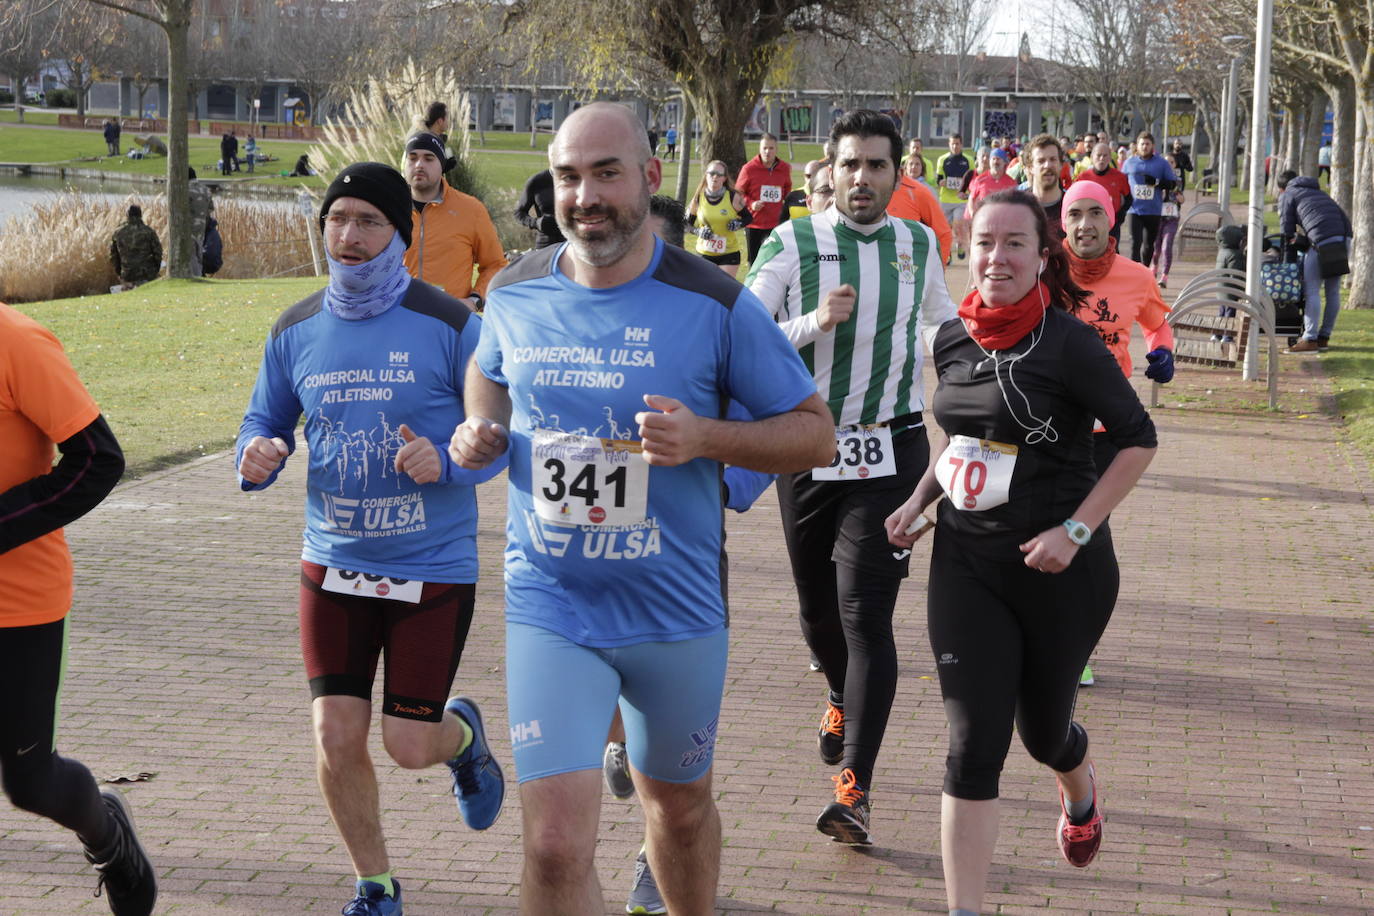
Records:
x=1281, y=275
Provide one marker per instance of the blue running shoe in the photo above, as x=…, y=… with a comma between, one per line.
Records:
x=373, y=900
x=477, y=779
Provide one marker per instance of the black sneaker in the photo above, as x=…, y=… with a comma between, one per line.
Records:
x=126, y=875
x=1323, y=344
x=830, y=738
x=846, y=818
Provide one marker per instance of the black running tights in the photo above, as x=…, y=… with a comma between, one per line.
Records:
x=35, y=778
x=1144, y=231
x=1010, y=643
x=846, y=617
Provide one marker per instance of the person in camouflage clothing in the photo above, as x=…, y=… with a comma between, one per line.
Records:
x=201, y=207
x=135, y=250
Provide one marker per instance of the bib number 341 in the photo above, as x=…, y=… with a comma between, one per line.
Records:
x=976, y=473
x=584, y=480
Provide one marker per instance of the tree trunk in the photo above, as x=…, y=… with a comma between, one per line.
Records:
x=684, y=149
x=1362, y=245
x=1342, y=185
x=726, y=106
x=1312, y=134
x=534, y=114
x=1292, y=135
x=176, y=25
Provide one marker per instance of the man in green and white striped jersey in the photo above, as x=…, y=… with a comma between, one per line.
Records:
x=856, y=291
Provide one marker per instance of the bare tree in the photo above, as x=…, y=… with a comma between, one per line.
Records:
x=1102, y=47
x=26, y=31
x=86, y=45
x=174, y=18
x=719, y=52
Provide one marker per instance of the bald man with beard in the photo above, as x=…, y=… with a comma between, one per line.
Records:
x=614, y=586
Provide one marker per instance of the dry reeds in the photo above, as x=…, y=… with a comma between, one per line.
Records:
x=61, y=248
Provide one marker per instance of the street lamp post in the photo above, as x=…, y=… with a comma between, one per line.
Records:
x=1259, y=115
x=1167, y=93
x=1226, y=168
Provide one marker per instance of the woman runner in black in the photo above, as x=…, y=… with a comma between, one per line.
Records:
x=1023, y=577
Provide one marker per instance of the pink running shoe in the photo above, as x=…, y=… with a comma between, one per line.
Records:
x=1079, y=842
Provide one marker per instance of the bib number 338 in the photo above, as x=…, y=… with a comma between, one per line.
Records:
x=861, y=453
x=976, y=473
x=585, y=480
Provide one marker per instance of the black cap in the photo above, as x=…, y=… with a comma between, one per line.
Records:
x=378, y=184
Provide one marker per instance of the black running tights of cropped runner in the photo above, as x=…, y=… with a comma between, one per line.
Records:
x=35, y=777
x=1144, y=233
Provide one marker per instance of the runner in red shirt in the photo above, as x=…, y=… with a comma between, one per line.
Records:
x=993, y=180
x=765, y=182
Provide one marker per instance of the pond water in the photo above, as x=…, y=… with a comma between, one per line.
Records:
x=18, y=193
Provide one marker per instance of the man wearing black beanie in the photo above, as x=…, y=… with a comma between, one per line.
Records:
x=375, y=364
x=453, y=233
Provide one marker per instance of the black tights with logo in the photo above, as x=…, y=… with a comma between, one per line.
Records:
x=1010, y=643
x=35, y=777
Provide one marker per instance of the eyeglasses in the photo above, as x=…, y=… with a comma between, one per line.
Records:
x=337, y=222
x=824, y=191
x=716, y=174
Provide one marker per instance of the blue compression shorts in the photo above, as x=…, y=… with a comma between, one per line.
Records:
x=561, y=698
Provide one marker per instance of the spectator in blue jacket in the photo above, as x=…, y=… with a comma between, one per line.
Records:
x=1150, y=176
x=1326, y=230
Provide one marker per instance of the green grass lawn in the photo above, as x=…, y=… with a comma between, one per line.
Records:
x=31, y=115
x=1350, y=363
x=86, y=150
x=171, y=363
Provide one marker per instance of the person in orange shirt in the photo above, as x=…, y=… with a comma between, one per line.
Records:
x=453, y=231
x=42, y=404
x=1120, y=293
x=914, y=201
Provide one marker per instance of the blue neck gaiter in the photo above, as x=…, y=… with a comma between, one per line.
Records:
x=358, y=291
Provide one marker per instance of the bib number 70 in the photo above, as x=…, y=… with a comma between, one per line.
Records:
x=976, y=473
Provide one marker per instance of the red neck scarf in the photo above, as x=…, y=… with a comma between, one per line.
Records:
x=999, y=328
x=1087, y=272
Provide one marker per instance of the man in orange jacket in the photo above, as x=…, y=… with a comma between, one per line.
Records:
x=453, y=231
x=914, y=201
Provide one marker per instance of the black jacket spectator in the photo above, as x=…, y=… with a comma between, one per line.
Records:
x=1304, y=204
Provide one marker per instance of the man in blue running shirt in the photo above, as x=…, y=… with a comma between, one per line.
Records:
x=375, y=363
x=604, y=369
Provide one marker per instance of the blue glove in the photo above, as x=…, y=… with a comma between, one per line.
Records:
x=734, y=225
x=1161, y=367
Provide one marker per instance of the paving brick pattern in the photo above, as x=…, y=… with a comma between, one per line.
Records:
x=1231, y=722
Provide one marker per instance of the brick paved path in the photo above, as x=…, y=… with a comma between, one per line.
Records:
x=1231, y=722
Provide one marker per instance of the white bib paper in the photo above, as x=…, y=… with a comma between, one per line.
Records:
x=584, y=480
x=861, y=453
x=367, y=585
x=1143, y=191
x=976, y=473
x=770, y=193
